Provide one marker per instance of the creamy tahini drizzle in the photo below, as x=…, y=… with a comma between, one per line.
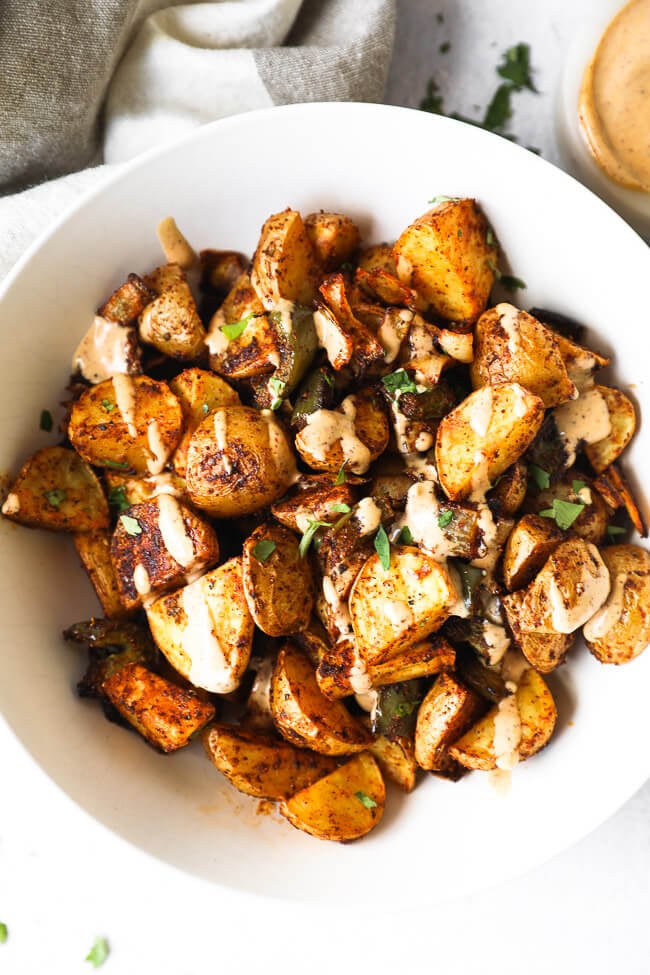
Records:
x=208, y=665
x=398, y=613
x=339, y=609
x=164, y=483
x=496, y=640
x=424, y=440
x=104, y=350
x=216, y=339
x=389, y=334
x=480, y=412
x=220, y=423
x=174, y=532
x=582, y=420
x=421, y=515
x=157, y=448
x=125, y=399
x=175, y=245
x=368, y=515
x=590, y=593
x=606, y=618
x=11, y=505
x=331, y=338
x=141, y=580
x=480, y=476
x=325, y=428
x=507, y=732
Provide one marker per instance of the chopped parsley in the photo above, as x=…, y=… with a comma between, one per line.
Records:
x=55, y=497
x=312, y=527
x=382, y=548
x=235, y=329
x=46, y=422
x=405, y=537
x=98, y=953
x=444, y=518
x=443, y=199
x=399, y=382
x=511, y=283
x=342, y=507
x=277, y=387
x=340, y=477
x=459, y=232
x=117, y=464
x=490, y=239
x=365, y=800
x=444, y=47
x=205, y=409
x=108, y=405
x=117, y=498
x=540, y=478
x=263, y=549
x=613, y=530
x=131, y=525
x=499, y=111
x=516, y=67
x=4, y=932
x=406, y=708
x=563, y=512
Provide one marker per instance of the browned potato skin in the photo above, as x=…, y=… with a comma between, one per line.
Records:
x=171, y=322
x=94, y=551
x=538, y=714
x=509, y=434
x=253, y=353
x=378, y=256
x=535, y=361
x=284, y=264
x=446, y=712
x=137, y=489
x=332, y=809
x=396, y=759
x=220, y=270
x=304, y=716
x=367, y=349
x=529, y=545
x=148, y=549
x=199, y=392
x=315, y=502
x=371, y=427
x=452, y=271
x=543, y=651
x=262, y=766
x=84, y=507
x=623, y=420
x=166, y=715
x=629, y=635
x=581, y=363
x=250, y=469
x=127, y=301
x=279, y=590
x=380, y=284
x=591, y=523
x=334, y=238
x=510, y=491
x=101, y=436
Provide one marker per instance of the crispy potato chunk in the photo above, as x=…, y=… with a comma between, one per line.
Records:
x=127, y=423
x=166, y=715
x=543, y=651
x=344, y=805
x=354, y=434
x=284, y=265
x=537, y=716
x=55, y=489
x=512, y=346
x=262, y=766
x=484, y=435
x=155, y=545
x=333, y=236
x=378, y=256
x=313, y=502
x=396, y=608
x=171, y=322
x=127, y=301
x=124, y=490
x=581, y=363
x=199, y=392
x=444, y=255
x=623, y=420
x=529, y=545
x=591, y=523
x=396, y=759
x=446, y=712
x=239, y=461
x=254, y=352
x=620, y=631
x=220, y=270
x=278, y=583
x=94, y=550
x=205, y=629
x=307, y=718
x=367, y=350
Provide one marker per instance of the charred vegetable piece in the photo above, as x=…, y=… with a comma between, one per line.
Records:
x=547, y=450
x=111, y=645
x=298, y=345
x=429, y=405
x=485, y=681
x=397, y=709
x=126, y=303
x=317, y=392
x=470, y=579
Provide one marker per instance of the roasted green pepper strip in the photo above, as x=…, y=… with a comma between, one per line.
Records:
x=432, y=404
x=299, y=345
x=488, y=683
x=316, y=393
x=397, y=708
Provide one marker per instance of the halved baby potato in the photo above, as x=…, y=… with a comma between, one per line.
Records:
x=543, y=651
x=320, y=502
x=622, y=417
x=284, y=265
x=396, y=760
x=620, y=631
x=127, y=301
x=333, y=236
x=447, y=711
x=354, y=435
x=171, y=322
x=199, y=392
x=262, y=766
x=529, y=545
x=344, y=805
x=278, y=583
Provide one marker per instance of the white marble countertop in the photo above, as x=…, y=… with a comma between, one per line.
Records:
x=64, y=879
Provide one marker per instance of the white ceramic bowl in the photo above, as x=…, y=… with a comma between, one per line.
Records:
x=381, y=165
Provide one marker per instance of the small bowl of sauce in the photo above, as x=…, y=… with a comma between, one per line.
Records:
x=604, y=112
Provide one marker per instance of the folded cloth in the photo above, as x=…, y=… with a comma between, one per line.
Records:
x=87, y=82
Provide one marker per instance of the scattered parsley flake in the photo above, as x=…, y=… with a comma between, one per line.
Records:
x=46, y=422
x=443, y=199
x=405, y=537
x=263, y=549
x=328, y=379
x=492, y=266
x=382, y=548
x=406, y=708
x=131, y=525
x=511, y=283
x=516, y=67
x=4, y=932
x=205, y=409
x=490, y=239
x=365, y=800
x=459, y=232
x=312, y=527
x=340, y=477
x=499, y=111
x=577, y=486
x=444, y=518
x=564, y=512
x=108, y=405
x=539, y=476
x=98, y=953
x=444, y=47
x=277, y=386
x=119, y=465
x=613, y=530
x=342, y=507
x=117, y=498
x=399, y=382
x=55, y=497
x=235, y=329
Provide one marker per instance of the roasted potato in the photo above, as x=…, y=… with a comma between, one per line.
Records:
x=254, y=351
x=124, y=490
x=285, y=267
x=199, y=392
x=378, y=256
x=205, y=629
x=510, y=490
x=107, y=348
x=367, y=350
x=581, y=363
x=593, y=518
x=445, y=256
x=278, y=583
x=620, y=630
x=55, y=489
x=396, y=760
x=262, y=766
x=623, y=424
x=94, y=550
x=315, y=501
x=529, y=545
x=354, y=435
x=220, y=270
x=334, y=237
x=171, y=322
x=344, y=805
x=543, y=651
x=127, y=301
x=446, y=712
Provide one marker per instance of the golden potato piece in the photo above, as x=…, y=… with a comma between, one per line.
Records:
x=55, y=489
x=171, y=322
x=623, y=420
x=344, y=805
x=277, y=582
x=333, y=236
x=94, y=550
x=354, y=434
x=166, y=715
x=483, y=436
x=591, y=523
x=620, y=630
x=396, y=760
x=581, y=363
x=512, y=346
x=239, y=461
x=529, y=545
x=315, y=501
x=307, y=718
x=367, y=349
x=510, y=490
x=445, y=256
x=543, y=651
x=127, y=423
x=262, y=766
x=124, y=490
x=127, y=301
x=220, y=270
x=199, y=392
x=253, y=352
x=396, y=608
x=284, y=264
x=205, y=629
x=477, y=749
x=378, y=256
x=447, y=711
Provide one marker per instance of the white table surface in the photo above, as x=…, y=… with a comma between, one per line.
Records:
x=64, y=879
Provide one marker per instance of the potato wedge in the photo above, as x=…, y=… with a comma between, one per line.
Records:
x=304, y=716
x=284, y=265
x=378, y=256
x=446, y=712
x=620, y=630
x=55, y=489
x=316, y=502
x=171, y=322
x=344, y=805
x=581, y=363
x=396, y=608
x=205, y=629
x=127, y=301
x=367, y=349
x=453, y=271
x=262, y=766
x=622, y=417
x=543, y=651
x=127, y=423
x=94, y=550
x=354, y=434
x=537, y=715
x=334, y=237
x=166, y=715
x=253, y=352
x=239, y=461
x=512, y=346
x=278, y=583
x=510, y=490
x=199, y=392
x=529, y=545
x=396, y=760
